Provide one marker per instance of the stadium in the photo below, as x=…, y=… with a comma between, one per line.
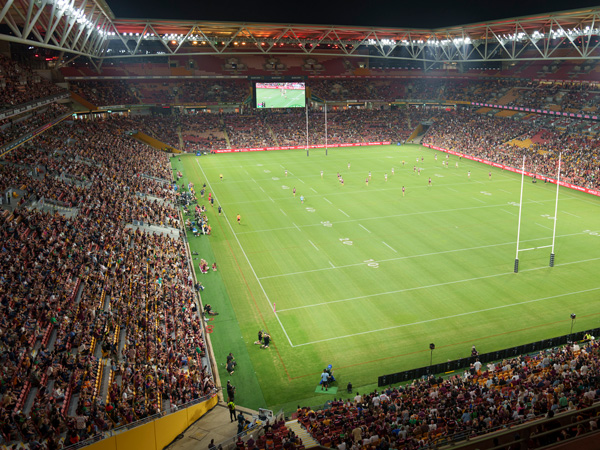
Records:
x=246, y=235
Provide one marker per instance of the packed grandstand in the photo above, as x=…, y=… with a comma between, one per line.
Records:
x=101, y=315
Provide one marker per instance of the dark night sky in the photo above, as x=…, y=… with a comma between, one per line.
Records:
x=392, y=13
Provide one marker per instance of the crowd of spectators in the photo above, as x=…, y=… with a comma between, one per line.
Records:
x=288, y=128
x=164, y=128
x=483, y=399
x=19, y=84
x=568, y=97
x=98, y=321
x=214, y=91
x=16, y=126
x=247, y=131
x=493, y=139
x=105, y=93
x=202, y=131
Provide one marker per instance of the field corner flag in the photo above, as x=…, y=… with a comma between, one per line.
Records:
x=274, y=308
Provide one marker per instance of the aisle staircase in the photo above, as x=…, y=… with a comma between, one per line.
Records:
x=225, y=133
x=155, y=143
x=307, y=440
x=270, y=130
x=509, y=97
x=83, y=102
x=180, y=137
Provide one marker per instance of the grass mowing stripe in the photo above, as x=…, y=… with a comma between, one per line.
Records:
x=417, y=288
x=412, y=233
x=543, y=226
x=416, y=213
x=247, y=260
x=450, y=317
x=421, y=255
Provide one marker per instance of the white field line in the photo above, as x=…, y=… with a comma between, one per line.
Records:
x=327, y=201
x=343, y=212
x=478, y=200
x=352, y=192
x=297, y=227
x=508, y=212
x=574, y=215
x=453, y=190
x=417, y=256
x=391, y=248
x=248, y=261
x=363, y=228
x=271, y=199
x=505, y=191
x=543, y=226
x=259, y=186
x=314, y=191
x=283, y=212
x=301, y=181
x=468, y=208
x=331, y=264
x=450, y=317
x=311, y=243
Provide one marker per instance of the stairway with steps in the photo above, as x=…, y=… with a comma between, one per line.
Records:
x=307, y=440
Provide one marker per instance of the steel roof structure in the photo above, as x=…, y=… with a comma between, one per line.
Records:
x=88, y=28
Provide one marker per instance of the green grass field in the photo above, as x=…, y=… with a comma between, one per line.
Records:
x=364, y=278
x=273, y=99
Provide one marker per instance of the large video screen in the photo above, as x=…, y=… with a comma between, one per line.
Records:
x=280, y=94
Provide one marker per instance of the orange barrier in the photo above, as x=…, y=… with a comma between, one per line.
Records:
x=158, y=433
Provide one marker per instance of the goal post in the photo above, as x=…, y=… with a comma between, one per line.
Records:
x=552, y=254
x=555, y=211
x=520, y=210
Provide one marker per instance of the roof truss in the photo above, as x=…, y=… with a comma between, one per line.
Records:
x=88, y=28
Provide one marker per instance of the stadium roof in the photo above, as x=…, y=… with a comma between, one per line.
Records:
x=89, y=28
